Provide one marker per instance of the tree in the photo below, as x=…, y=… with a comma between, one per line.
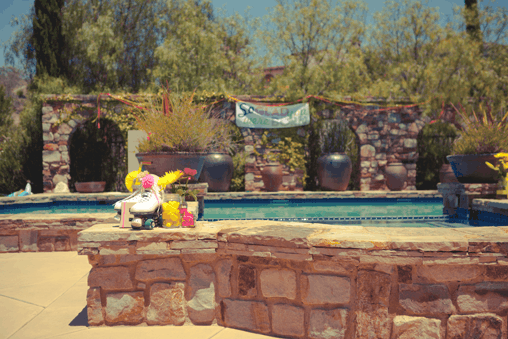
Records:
x=47, y=39
x=5, y=111
x=473, y=20
x=315, y=40
x=202, y=53
x=413, y=56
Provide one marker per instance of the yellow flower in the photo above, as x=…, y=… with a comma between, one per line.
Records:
x=501, y=155
x=131, y=179
x=169, y=178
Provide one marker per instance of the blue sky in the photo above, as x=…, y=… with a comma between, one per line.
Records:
x=10, y=8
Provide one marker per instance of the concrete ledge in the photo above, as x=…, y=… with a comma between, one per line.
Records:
x=301, y=280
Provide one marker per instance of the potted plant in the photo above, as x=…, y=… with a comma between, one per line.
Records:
x=334, y=165
x=179, y=134
x=287, y=152
x=479, y=140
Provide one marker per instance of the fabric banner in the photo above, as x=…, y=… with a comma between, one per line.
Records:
x=258, y=116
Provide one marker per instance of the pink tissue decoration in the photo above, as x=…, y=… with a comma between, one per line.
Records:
x=147, y=181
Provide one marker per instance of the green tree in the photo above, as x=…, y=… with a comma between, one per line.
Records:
x=200, y=52
x=5, y=110
x=47, y=39
x=318, y=43
x=411, y=55
x=472, y=19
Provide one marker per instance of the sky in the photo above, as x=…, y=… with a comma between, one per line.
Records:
x=16, y=8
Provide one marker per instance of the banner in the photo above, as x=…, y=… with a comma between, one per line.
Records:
x=258, y=116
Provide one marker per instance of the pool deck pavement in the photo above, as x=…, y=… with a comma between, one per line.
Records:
x=43, y=295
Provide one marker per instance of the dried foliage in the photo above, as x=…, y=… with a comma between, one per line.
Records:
x=176, y=124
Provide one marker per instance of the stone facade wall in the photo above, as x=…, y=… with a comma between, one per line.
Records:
x=384, y=136
x=301, y=280
x=45, y=233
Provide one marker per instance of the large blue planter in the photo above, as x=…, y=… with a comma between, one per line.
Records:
x=471, y=168
x=217, y=172
x=162, y=162
x=334, y=171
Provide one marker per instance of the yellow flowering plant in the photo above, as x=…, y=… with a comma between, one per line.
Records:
x=501, y=168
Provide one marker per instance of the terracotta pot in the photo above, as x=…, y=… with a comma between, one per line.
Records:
x=272, y=177
x=90, y=186
x=396, y=175
x=334, y=171
x=471, y=168
x=446, y=174
x=217, y=172
x=162, y=162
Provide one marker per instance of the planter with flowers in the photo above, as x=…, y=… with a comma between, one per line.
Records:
x=287, y=152
x=479, y=140
x=180, y=133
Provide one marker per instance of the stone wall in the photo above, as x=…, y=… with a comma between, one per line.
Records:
x=302, y=281
x=45, y=232
x=383, y=135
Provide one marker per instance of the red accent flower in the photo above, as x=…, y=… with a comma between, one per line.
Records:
x=190, y=171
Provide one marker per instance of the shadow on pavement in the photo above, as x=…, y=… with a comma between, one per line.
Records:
x=81, y=319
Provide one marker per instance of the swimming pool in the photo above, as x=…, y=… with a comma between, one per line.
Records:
x=392, y=212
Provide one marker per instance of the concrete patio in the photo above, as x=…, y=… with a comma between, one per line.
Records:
x=43, y=295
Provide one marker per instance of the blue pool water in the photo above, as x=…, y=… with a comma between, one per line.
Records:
x=409, y=212
x=58, y=207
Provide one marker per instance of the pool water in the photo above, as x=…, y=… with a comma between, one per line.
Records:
x=409, y=212
x=322, y=208
x=58, y=207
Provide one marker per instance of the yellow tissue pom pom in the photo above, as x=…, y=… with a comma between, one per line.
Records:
x=169, y=178
x=131, y=179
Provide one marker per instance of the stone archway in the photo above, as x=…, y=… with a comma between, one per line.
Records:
x=57, y=135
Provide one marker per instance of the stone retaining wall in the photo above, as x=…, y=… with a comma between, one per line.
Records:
x=383, y=136
x=45, y=232
x=302, y=281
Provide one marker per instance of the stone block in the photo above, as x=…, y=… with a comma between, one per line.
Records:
x=246, y=315
x=483, y=297
x=167, y=304
x=496, y=273
x=373, y=320
x=373, y=288
x=445, y=273
x=474, y=326
x=328, y=324
x=51, y=156
x=46, y=244
x=247, y=281
x=288, y=320
x=201, y=295
x=167, y=268
x=325, y=289
x=152, y=248
x=62, y=244
x=110, y=278
x=224, y=277
x=94, y=306
x=28, y=240
x=407, y=327
x=405, y=274
x=125, y=308
x=278, y=283
x=9, y=243
x=423, y=299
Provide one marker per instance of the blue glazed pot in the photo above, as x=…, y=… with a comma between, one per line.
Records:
x=334, y=171
x=471, y=168
x=217, y=172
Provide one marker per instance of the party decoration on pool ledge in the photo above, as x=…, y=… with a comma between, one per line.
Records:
x=147, y=203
